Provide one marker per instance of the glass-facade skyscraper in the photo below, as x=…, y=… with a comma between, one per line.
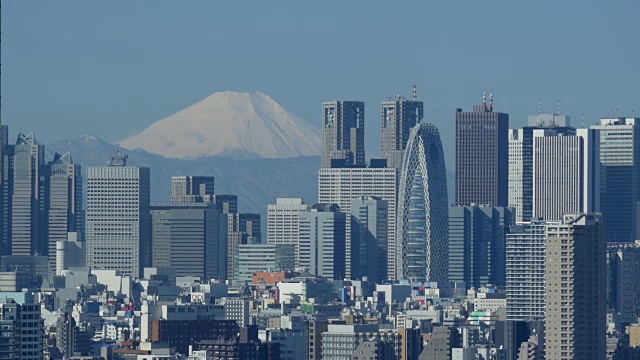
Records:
x=342, y=133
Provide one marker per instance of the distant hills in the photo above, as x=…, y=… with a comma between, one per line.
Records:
x=233, y=125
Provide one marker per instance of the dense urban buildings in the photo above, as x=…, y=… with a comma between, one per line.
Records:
x=477, y=244
x=322, y=241
x=623, y=280
x=575, y=278
x=188, y=189
x=342, y=133
x=397, y=119
x=118, y=217
x=482, y=160
x=422, y=224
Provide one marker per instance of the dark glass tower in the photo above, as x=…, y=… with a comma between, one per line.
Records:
x=343, y=134
x=397, y=120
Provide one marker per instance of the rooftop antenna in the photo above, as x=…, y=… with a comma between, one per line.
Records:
x=415, y=92
x=484, y=99
x=539, y=106
x=491, y=101
x=388, y=98
x=398, y=97
x=582, y=120
x=558, y=107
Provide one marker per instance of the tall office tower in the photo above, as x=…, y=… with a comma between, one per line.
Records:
x=397, y=119
x=369, y=230
x=340, y=186
x=576, y=288
x=623, y=279
x=118, y=217
x=252, y=258
x=620, y=176
x=322, y=241
x=226, y=204
x=190, y=238
x=234, y=240
x=283, y=223
x=482, y=159
x=525, y=270
x=28, y=222
x=422, y=224
x=5, y=207
x=521, y=160
x=477, y=244
x=566, y=173
x=22, y=329
x=342, y=134
x=64, y=202
x=186, y=189
x=245, y=223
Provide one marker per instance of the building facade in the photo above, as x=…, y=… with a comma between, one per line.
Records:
x=623, y=280
x=21, y=330
x=189, y=189
x=422, y=222
x=397, y=118
x=342, y=133
x=254, y=258
x=283, y=223
x=369, y=231
x=477, y=244
x=118, y=217
x=322, y=241
x=482, y=160
x=575, y=276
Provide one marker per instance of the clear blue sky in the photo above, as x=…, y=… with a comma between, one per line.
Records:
x=111, y=68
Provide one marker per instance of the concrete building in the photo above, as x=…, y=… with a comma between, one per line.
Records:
x=342, y=134
x=525, y=270
x=118, y=217
x=340, y=341
x=521, y=160
x=28, y=221
x=341, y=186
x=620, y=176
x=6, y=180
x=63, y=181
x=477, y=244
x=21, y=330
x=482, y=160
x=190, y=189
x=623, y=279
x=237, y=310
x=70, y=253
x=440, y=346
x=322, y=241
x=397, y=118
x=291, y=343
x=369, y=231
x=283, y=223
x=252, y=258
x=249, y=224
x=226, y=204
x=566, y=173
x=575, y=288
x=422, y=224
x=190, y=238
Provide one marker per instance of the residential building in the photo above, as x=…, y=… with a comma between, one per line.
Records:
x=28, y=222
x=482, y=160
x=342, y=134
x=283, y=223
x=118, y=217
x=477, y=244
x=521, y=160
x=21, y=329
x=397, y=118
x=191, y=189
x=64, y=202
x=341, y=186
x=619, y=176
x=575, y=294
x=369, y=231
x=440, y=346
x=422, y=224
x=322, y=241
x=525, y=270
x=566, y=173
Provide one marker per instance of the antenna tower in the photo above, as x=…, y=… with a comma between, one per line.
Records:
x=415, y=92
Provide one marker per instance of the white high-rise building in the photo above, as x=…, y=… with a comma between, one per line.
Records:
x=566, y=173
x=341, y=185
x=283, y=223
x=118, y=217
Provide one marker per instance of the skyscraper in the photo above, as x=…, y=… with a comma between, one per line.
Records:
x=5, y=193
x=342, y=133
x=422, y=224
x=226, y=204
x=477, y=244
x=576, y=288
x=340, y=186
x=118, y=217
x=64, y=202
x=28, y=223
x=620, y=176
x=482, y=160
x=566, y=173
x=623, y=279
x=525, y=270
x=186, y=189
x=521, y=160
x=397, y=118
x=283, y=223
x=322, y=241
x=369, y=231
